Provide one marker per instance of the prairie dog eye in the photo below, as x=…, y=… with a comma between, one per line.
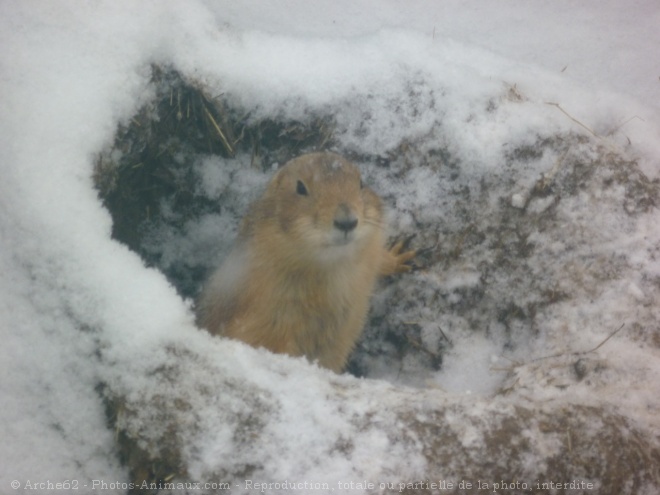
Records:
x=300, y=188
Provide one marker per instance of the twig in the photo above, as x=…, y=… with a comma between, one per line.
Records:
x=443, y=334
x=580, y=353
x=603, y=342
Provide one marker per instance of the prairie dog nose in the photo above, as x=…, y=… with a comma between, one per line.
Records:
x=345, y=220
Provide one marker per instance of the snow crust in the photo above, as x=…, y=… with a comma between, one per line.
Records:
x=80, y=312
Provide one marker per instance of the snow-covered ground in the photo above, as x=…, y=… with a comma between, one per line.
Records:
x=522, y=144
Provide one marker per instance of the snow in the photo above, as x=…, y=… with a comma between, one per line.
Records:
x=454, y=95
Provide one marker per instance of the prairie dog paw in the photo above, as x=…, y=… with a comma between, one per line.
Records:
x=396, y=261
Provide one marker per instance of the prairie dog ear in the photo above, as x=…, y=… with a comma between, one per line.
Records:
x=276, y=180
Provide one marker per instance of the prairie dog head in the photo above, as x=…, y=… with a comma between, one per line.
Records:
x=318, y=202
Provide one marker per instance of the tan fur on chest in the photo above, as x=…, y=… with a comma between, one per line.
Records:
x=300, y=277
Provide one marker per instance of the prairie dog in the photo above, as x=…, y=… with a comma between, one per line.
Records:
x=299, y=277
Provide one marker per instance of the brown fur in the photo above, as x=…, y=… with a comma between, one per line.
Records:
x=295, y=282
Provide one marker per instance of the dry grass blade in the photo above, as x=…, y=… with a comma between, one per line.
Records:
x=584, y=126
x=228, y=146
x=580, y=353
